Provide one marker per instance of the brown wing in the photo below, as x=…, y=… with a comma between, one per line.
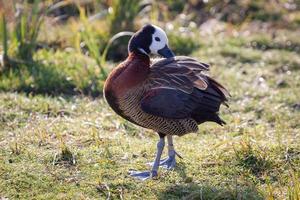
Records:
x=179, y=89
x=185, y=74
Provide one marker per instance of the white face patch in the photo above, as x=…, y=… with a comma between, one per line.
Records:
x=159, y=40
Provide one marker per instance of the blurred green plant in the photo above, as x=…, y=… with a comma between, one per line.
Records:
x=182, y=45
x=122, y=14
x=176, y=6
x=92, y=40
x=26, y=30
x=110, y=42
x=266, y=42
x=237, y=12
x=19, y=43
x=29, y=74
x=21, y=72
x=96, y=41
x=3, y=26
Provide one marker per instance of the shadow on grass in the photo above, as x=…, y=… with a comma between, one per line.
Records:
x=193, y=191
x=37, y=78
x=202, y=191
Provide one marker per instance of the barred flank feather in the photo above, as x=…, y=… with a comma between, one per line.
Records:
x=130, y=106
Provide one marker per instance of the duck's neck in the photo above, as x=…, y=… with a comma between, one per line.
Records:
x=140, y=57
x=137, y=67
x=129, y=74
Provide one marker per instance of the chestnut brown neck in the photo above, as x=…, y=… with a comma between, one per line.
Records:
x=139, y=57
x=132, y=72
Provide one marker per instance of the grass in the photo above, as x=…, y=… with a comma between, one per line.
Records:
x=60, y=140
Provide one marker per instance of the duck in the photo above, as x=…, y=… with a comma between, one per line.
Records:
x=171, y=96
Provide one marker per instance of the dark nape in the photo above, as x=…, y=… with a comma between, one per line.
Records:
x=142, y=39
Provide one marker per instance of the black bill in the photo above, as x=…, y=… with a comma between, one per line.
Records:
x=166, y=52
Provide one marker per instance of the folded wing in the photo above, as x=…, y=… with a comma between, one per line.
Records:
x=179, y=89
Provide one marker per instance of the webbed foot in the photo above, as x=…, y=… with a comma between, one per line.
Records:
x=143, y=175
x=169, y=162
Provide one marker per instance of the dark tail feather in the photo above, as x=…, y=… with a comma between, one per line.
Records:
x=207, y=102
x=220, y=88
x=221, y=121
x=218, y=120
x=204, y=117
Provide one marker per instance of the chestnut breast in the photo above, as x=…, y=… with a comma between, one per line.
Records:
x=129, y=74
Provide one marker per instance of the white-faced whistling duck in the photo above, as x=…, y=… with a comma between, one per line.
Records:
x=171, y=96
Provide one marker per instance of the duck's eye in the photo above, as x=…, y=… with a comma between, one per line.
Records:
x=157, y=39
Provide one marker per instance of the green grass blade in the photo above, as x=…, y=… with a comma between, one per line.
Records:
x=112, y=39
x=5, y=39
x=35, y=21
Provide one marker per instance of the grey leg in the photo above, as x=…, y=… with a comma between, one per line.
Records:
x=170, y=161
x=149, y=174
x=160, y=148
x=171, y=150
